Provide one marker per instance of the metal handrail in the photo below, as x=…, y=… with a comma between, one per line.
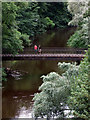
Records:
x=57, y=50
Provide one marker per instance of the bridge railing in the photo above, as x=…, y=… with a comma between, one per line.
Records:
x=56, y=50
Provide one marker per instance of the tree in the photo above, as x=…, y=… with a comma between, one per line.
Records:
x=3, y=76
x=24, y=20
x=80, y=39
x=78, y=10
x=11, y=42
x=57, y=91
x=80, y=13
x=12, y=39
x=38, y=17
x=28, y=18
x=79, y=98
x=58, y=13
x=51, y=101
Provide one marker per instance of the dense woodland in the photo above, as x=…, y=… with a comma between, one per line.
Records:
x=22, y=22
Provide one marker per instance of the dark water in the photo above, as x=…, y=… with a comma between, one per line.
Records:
x=19, y=89
x=55, y=38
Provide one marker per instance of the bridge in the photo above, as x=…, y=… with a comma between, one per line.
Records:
x=62, y=54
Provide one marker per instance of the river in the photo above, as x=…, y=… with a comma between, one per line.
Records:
x=20, y=87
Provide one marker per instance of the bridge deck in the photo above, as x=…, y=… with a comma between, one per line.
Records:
x=49, y=53
x=43, y=56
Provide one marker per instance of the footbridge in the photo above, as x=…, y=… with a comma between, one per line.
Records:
x=55, y=53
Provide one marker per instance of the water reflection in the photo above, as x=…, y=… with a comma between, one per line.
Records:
x=55, y=38
x=14, y=102
x=25, y=113
x=18, y=94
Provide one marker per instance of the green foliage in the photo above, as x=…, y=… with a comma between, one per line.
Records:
x=50, y=100
x=56, y=90
x=79, y=98
x=12, y=41
x=37, y=17
x=58, y=13
x=89, y=53
x=28, y=18
x=2, y=76
x=12, y=44
x=24, y=20
x=80, y=92
x=80, y=39
x=25, y=39
x=48, y=22
x=80, y=11
x=10, y=35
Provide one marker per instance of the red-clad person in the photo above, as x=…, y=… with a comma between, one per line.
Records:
x=35, y=48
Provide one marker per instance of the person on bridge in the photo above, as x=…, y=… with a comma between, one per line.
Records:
x=35, y=48
x=39, y=49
